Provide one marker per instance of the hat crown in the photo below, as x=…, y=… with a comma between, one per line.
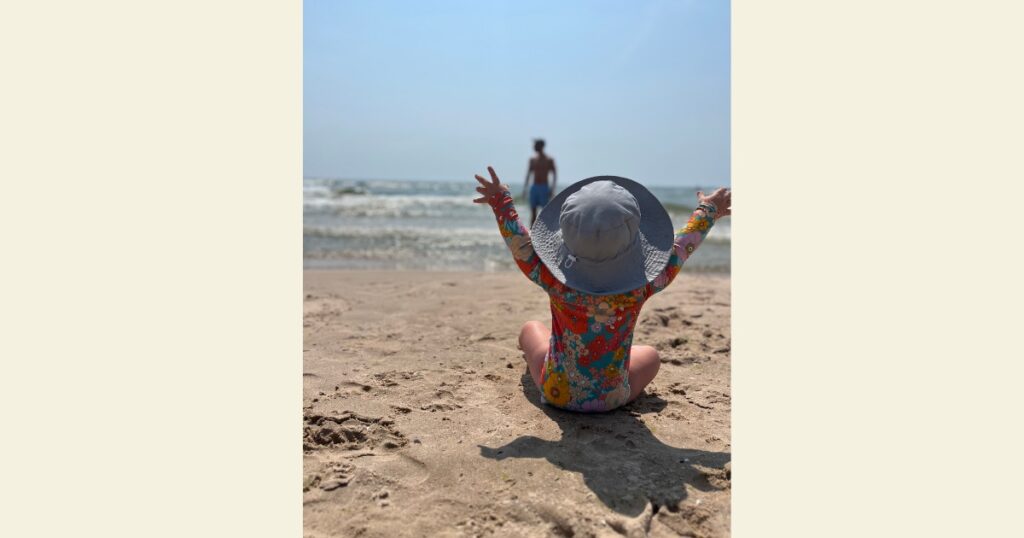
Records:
x=599, y=221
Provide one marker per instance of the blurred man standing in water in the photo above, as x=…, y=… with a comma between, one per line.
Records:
x=540, y=166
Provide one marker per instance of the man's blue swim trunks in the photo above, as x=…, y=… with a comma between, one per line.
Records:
x=539, y=195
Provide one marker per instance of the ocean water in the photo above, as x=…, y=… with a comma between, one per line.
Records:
x=434, y=225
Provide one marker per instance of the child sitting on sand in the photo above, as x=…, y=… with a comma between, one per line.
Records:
x=600, y=249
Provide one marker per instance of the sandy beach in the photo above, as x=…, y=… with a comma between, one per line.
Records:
x=419, y=418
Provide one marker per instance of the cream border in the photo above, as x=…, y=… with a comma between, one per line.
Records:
x=877, y=291
x=152, y=352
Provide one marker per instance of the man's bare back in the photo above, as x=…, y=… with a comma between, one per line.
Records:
x=541, y=166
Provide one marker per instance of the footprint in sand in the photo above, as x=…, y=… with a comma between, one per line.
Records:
x=399, y=469
x=704, y=399
x=349, y=431
x=335, y=475
x=440, y=406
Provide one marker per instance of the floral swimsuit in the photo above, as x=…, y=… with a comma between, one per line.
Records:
x=591, y=335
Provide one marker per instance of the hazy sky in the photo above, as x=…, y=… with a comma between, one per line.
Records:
x=440, y=89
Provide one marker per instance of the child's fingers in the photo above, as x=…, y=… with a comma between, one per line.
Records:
x=480, y=200
x=481, y=180
x=481, y=190
x=494, y=176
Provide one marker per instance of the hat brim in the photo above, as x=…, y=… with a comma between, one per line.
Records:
x=632, y=269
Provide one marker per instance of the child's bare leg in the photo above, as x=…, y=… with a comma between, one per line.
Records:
x=534, y=339
x=643, y=366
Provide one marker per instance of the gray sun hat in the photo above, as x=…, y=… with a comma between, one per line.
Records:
x=604, y=235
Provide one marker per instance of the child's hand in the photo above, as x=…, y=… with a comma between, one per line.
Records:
x=721, y=198
x=489, y=188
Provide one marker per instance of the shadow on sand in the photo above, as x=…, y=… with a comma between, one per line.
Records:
x=621, y=461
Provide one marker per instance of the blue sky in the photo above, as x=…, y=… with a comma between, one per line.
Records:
x=440, y=89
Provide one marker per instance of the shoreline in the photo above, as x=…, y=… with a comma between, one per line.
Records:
x=326, y=266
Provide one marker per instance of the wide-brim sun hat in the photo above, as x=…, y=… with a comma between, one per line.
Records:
x=604, y=235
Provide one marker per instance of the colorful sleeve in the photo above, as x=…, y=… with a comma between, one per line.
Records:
x=687, y=239
x=518, y=241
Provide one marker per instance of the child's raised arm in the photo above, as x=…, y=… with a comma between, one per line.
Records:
x=689, y=237
x=516, y=237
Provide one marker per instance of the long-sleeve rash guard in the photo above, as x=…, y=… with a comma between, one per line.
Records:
x=591, y=335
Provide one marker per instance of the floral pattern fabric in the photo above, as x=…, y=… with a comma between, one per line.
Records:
x=591, y=335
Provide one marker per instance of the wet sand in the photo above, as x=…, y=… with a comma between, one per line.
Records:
x=419, y=418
